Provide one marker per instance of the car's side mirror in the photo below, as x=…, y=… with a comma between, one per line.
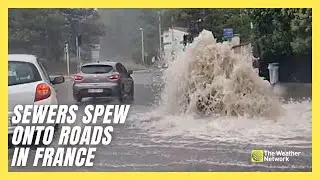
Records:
x=130, y=72
x=56, y=79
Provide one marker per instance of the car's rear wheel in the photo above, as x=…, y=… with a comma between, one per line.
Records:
x=120, y=96
x=120, y=99
x=124, y=97
x=77, y=98
x=131, y=96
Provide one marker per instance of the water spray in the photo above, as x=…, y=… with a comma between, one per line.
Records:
x=210, y=78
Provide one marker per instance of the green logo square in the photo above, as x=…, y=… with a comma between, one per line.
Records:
x=257, y=156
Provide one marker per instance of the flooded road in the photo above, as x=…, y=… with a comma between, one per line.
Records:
x=150, y=141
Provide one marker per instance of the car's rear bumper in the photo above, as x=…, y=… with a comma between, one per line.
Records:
x=108, y=89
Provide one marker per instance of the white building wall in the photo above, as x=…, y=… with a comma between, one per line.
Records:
x=173, y=43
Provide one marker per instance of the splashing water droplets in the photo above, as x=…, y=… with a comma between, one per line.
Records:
x=213, y=93
x=210, y=77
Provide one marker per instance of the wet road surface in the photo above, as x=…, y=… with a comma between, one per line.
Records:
x=141, y=145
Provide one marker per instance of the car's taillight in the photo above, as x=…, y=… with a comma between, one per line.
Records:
x=77, y=77
x=114, y=77
x=43, y=91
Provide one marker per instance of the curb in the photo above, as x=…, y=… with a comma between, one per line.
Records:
x=149, y=70
x=142, y=71
x=68, y=77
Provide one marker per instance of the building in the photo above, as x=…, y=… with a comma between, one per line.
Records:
x=172, y=42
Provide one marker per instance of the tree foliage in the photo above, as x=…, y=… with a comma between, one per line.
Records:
x=149, y=22
x=282, y=32
x=301, y=26
x=271, y=31
x=214, y=20
x=43, y=32
x=276, y=31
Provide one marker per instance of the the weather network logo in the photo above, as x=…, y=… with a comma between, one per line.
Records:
x=257, y=156
x=273, y=156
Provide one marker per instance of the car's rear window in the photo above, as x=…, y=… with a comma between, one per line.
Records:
x=22, y=73
x=96, y=69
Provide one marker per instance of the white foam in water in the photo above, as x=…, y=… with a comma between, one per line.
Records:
x=292, y=129
x=238, y=105
x=222, y=81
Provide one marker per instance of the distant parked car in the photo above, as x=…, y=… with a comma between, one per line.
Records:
x=29, y=83
x=104, y=79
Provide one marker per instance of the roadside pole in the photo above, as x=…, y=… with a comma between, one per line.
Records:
x=66, y=47
x=160, y=36
x=78, y=45
x=172, y=43
x=142, y=45
x=77, y=49
x=67, y=58
x=79, y=62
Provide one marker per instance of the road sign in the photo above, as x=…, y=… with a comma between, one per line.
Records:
x=95, y=55
x=228, y=33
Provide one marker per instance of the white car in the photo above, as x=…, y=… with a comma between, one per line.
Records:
x=29, y=84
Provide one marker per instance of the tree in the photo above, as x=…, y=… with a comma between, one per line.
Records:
x=32, y=30
x=85, y=21
x=43, y=32
x=271, y=31
x=301, y=26
x=214, y=20
x=149, y=22
x=283, y=32
x=276, y=31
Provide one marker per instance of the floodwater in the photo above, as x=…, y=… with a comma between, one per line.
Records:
x=166, y=132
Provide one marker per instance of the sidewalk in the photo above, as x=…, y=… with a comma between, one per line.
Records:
x=294, y=90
